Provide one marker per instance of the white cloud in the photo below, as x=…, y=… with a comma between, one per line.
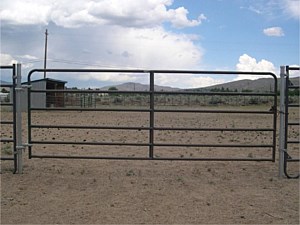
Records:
x=186, y=80
x=294, y=73
x=249, y=64
x=70, y=13
x=25, y=12
x=28, y=57
x=178, y=18
x=292, y=8
x=253, y=9
x=274, y=9
x=147, y=48
x=274, y=31
x=111, y=77
x=6, y=59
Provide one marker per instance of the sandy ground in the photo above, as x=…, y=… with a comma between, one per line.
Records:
x=57, y=191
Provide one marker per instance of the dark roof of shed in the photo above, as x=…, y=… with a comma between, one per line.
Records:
x=49, y=80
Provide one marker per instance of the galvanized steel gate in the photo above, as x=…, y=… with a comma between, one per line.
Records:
x=15, y=121
x=286, y=142
x=152, y=110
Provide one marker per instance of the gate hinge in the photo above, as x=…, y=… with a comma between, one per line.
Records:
x=21, y=147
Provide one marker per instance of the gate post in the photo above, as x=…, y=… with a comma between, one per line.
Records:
x=282, y=120
x=19, y=145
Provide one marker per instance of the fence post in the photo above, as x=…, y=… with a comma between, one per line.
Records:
x=282, y=121
x=19, y=145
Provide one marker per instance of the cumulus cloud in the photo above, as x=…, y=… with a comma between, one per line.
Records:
x=111, y=77
x=294, y=73
x=147, y=48
x=70, y=13
x=121, y=34
x=186, y=80
x=274, y=31
x=25, y=12
x=250, y=64
x=6, y=59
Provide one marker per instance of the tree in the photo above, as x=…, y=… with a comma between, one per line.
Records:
x=113, y=89
x=4, y=90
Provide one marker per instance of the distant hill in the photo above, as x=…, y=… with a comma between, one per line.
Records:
x=259, y=85
x=130, y=86
x=4, y=82
x=4, y=89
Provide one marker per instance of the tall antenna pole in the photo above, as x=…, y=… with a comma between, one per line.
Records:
x=45, y=58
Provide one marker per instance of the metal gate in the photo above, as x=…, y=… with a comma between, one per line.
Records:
x=152, y=145
x=289, y=137
x=11, y=106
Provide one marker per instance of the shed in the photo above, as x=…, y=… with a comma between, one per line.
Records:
x=45, y=99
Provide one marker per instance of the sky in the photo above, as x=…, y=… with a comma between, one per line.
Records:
x=235, y=35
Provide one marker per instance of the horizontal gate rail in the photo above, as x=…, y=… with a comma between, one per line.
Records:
x=151, y=110
x=148, y=128
x=156, y=92
x=147, y=158
x=6, y=122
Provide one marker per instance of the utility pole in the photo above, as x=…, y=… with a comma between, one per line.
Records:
x=45, y=58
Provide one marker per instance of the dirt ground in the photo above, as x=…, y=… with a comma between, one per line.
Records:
x=68, y=191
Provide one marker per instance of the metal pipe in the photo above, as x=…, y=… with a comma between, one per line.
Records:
x=274, y=118
x=29, y=109
x=87, y=143
x=147, y=158
x=151, y=119
x=14, y=78
x=45, y=57
x=19, y=146
x=282, y=123
x=148, y=128
x=157, y=92
x=89, y=109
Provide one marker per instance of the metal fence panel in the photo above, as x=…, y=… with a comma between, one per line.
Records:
x=151, y=107
x=285, y=140
x=12, y=122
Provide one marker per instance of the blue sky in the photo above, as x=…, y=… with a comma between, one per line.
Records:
x=234, y=35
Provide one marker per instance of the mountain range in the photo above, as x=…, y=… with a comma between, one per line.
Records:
x=131, y=86
x=259, y=85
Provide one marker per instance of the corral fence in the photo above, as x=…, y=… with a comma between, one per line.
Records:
x=11, y=146
x=152, y=146
x=289, y=128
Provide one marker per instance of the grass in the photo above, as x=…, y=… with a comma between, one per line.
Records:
x=130, y=173
x=6, y=149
